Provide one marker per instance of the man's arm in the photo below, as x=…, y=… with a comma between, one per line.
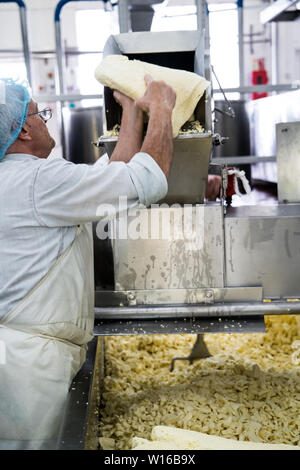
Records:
x=66, y=194
x=158, y=101
x=131, y=130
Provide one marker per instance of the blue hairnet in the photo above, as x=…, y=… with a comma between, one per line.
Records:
x=14, y=100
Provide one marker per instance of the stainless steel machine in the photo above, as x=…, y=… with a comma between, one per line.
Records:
x=244, y=262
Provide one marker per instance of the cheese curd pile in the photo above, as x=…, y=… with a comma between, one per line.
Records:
x=248, y=390
x=190, y=127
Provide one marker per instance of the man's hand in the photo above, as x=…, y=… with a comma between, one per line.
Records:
x=159, y=101
x=158, y=96
x=213, y=187
x=123, y=100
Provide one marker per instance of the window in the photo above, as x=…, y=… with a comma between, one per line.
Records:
x=177, y=18
x=93, y=27
x=223, y=29
x=13, y=68
x=224, y=53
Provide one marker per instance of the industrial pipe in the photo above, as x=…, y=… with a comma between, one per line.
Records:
x=201, y=12
x=59, y=58
x=58, y=41
x=123, y=24
x=208, y=310
x=24, y=31
x=274, y=52
x=241, y=40
x=202, y=20
x=123, y=16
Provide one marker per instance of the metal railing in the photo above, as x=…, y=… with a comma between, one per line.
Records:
x=24, y=32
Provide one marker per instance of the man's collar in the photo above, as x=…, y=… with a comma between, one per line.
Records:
x=20, y=156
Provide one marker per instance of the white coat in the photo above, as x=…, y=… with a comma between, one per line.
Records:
x=45, y=339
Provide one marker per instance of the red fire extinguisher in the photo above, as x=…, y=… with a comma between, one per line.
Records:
x=259, y=76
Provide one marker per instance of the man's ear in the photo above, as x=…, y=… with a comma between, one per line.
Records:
x=25, y=134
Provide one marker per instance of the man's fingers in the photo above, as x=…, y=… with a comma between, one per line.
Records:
x=117, y=95
x=148, y=79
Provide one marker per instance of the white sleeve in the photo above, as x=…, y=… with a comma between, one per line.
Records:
x=67, y=194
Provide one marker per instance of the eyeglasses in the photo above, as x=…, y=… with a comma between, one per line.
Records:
x=45, y=114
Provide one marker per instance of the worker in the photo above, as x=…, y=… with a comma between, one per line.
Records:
x=46, y=268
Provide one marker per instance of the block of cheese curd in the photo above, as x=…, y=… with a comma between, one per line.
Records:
x=128, y=77
x=167, y=437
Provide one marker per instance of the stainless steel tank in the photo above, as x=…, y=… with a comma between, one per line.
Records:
x=237, y=130
x=82, y=127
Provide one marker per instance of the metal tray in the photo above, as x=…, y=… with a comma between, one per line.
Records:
x=79, y=429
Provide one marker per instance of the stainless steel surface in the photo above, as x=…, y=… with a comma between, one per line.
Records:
x=175, y=49
x=189, y=170
x=275, y=11
x=260, y=212
x=152, y=42
x=176, y=296
x=141, y=14
x=237, y=129
x=262, y=88
x=82, y=126
x=81, y=406
x=123, y=16
x=170, y=262
x=112, y=327
x=262, y=248
x=174, y=312
x=274, y=53
x=264, y=114
x=201, y=12
x=240, y=160
x=288, y=161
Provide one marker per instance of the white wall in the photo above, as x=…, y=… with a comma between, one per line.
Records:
x=289, y=51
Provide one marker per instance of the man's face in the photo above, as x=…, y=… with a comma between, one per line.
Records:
x=37, y=128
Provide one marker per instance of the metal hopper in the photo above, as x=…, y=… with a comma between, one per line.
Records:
x=180, y=50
